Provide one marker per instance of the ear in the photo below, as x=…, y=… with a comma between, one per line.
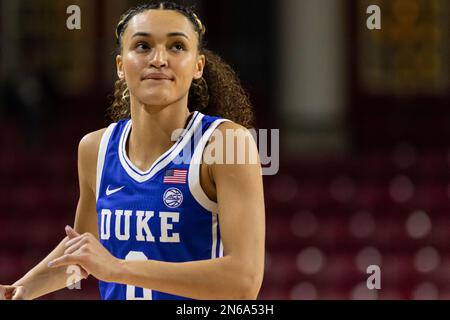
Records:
x=201, y=61
x=119, y=66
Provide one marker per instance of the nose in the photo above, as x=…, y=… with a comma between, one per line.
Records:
x=159, y=58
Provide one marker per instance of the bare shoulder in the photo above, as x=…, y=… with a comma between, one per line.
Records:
x=227, y=130
x=231, y=131
x=235, y=141
x=230, y=125
x=90, y=143
x=87, y=157
x=236, y=148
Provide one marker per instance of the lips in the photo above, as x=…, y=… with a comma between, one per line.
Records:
x=156, y=76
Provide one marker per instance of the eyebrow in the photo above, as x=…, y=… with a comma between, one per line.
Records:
x=171, y=34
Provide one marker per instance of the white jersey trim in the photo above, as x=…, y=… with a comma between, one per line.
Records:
x=214, y=237
x=168, y=156
x=221, y=249
x=194, y=170
x=101, y=156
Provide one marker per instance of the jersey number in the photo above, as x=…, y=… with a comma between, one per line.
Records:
x=131, y=290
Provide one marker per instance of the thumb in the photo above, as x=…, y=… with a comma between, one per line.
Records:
x=84, y=273
x=71, y=233
x=19, y=294
x=6, y=292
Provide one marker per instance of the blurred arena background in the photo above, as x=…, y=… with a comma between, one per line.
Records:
x=364, y=123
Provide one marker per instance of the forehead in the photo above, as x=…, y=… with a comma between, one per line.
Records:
x=160, y=22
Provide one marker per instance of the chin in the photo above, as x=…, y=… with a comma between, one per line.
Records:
x=156, y=99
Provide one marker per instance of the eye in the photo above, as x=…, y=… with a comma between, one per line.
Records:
x=178, y=46
x=142, y=47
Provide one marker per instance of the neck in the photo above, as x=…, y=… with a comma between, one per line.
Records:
x=152, y=129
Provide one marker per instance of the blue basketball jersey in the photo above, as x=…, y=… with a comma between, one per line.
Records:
x=160, y=214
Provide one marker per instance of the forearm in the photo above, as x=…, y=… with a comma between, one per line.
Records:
x=221, y=278
x=42, y=280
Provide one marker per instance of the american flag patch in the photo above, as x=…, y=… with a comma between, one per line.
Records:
x=176, y=176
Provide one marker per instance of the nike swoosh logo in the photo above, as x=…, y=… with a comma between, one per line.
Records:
x=110, y=192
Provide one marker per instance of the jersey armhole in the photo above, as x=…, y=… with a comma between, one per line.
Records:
x=101, y=156
x=194, y=171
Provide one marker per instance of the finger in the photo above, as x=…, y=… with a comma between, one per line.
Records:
x=63, y=261
x=71, y=242
x=75, y=247
x=84, y=273
x=71, y=233
x=6, y=292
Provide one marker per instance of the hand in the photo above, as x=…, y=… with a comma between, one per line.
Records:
x=72, y=234
x=13, y=293
x=87, y=252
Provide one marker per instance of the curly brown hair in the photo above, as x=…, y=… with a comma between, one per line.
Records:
x=217, y=93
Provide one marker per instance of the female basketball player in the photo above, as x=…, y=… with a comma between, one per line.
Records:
x=177, y=229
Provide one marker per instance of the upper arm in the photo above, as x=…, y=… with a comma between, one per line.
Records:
x=86, y=213
x=240, y=200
